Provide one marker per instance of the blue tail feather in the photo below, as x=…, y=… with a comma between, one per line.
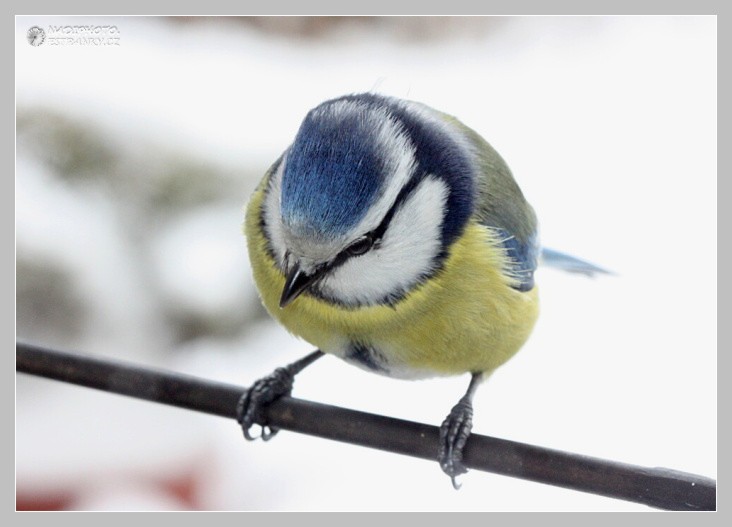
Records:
x=565, y=262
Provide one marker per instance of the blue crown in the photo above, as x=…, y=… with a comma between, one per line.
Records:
x=333, y=172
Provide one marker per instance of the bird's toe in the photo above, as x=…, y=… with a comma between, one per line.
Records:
x=250, y=409
x=454, y=433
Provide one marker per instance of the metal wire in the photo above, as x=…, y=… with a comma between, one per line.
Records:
x=656, y=487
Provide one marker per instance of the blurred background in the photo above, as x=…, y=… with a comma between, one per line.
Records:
x=135, y=159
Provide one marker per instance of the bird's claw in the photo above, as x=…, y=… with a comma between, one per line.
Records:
x=250, y=408
x=454, y=433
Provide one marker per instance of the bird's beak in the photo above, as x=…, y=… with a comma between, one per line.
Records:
x=297, y=281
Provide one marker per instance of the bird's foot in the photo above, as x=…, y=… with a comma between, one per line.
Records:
x=454, y=432
x=250, y=409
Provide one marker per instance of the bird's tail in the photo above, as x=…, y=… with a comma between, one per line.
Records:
x=565, y=262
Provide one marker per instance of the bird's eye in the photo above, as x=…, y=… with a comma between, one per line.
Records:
x=360, y=246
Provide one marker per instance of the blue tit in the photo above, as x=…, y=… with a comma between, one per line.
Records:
x=394, y=237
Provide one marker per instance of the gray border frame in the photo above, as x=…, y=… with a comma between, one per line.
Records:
x=565, y=7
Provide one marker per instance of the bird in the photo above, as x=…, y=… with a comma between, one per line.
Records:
x=395, y=237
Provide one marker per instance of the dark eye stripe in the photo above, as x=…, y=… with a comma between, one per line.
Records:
x=378, y=233
x=403, y=195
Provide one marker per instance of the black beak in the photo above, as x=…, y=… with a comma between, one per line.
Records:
x=297, y=282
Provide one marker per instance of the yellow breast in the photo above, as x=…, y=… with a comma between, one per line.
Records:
x=467, y=318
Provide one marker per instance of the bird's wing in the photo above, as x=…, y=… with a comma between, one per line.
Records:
x=500, y=205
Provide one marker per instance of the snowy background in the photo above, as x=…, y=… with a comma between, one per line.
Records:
x=133, y=165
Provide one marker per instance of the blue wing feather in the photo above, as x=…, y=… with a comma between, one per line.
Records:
x=523, y=258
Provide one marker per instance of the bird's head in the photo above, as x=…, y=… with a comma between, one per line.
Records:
x=366, y=201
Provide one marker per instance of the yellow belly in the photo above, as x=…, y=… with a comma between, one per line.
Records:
x=467, y=318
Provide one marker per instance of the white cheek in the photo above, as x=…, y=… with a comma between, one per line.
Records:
x=271, y=212
x=407, y=251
